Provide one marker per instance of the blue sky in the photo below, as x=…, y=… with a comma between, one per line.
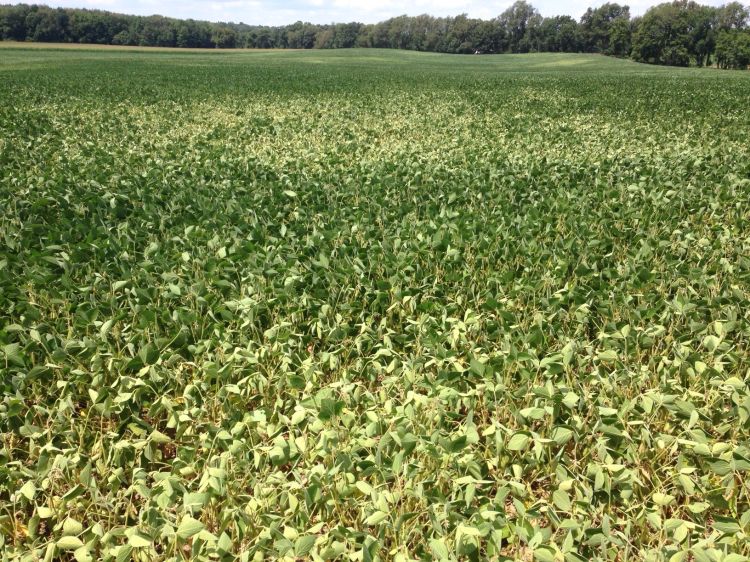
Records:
x=269, y=12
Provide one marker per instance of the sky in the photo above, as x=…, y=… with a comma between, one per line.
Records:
x=268, y=12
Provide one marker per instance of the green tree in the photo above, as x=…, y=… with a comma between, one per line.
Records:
x=301, y=35
x=606, y=29
x=224, y=37
x=157, y=31
x=190, y=33
x=521, y=23
x=702, y=29
x=677, y=34
x=559, y=34
x=733, y=49
x=732, y=16
x=47, y=25
x=13, y=22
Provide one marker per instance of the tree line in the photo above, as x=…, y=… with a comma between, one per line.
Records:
x=680, y=33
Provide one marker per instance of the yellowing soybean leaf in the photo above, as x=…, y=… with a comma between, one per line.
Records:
x=69, y=543
x=28, y=490
x=439, y=549
x=189, y=527
x=662, y=499
x=518, y=442
x=376, y=517
x=137, y=540
x=561, y=499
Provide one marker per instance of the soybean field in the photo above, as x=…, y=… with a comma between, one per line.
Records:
x=371, y=305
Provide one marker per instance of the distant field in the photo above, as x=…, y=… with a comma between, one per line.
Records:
x=21, y=52
x=372, y=305
x=25, y=45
